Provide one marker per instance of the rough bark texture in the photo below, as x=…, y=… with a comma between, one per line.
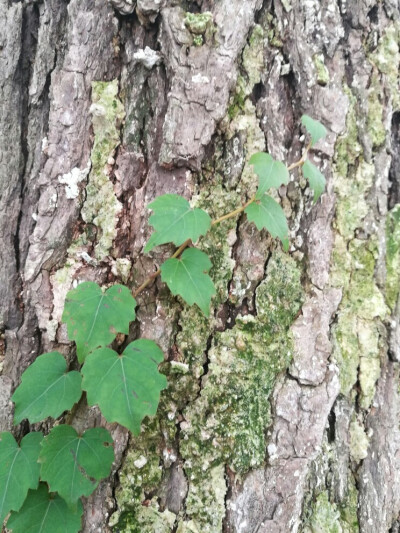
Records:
x=282, y=412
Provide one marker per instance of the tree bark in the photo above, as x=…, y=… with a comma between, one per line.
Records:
x=282, y=411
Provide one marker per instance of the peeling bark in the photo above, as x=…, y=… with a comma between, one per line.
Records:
x=282, y=410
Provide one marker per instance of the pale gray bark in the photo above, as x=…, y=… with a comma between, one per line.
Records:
x=178, y=100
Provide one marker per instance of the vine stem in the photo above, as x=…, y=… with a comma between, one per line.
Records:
x=302, y=160
x=232, y=214
x=158, y=272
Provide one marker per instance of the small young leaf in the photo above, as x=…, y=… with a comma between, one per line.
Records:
x=72, y=465
x=94, y=317
x=315, y=178
x=175, y=221
x=188, y=277
x=45, y=513
x=270, y=173
x=46, y=389
x=126, y=387
x=316, y=130
x=268, y=214
x=19, y=470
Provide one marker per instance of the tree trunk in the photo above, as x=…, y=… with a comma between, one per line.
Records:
x=282, y=411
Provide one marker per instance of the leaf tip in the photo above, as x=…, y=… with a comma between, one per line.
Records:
x=316, y=129
x=317, y=196
x=148, y=247
x=285, y=244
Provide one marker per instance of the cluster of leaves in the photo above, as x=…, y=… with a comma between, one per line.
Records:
x=175, y=221
x=43, y=479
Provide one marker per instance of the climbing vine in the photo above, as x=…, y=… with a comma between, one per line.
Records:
x=43, y=478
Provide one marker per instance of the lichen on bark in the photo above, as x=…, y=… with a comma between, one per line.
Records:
x=393, y=256
x=361, y=265
x=357, y=346
x=225, y=423
x=101, y=206
x=320, y=473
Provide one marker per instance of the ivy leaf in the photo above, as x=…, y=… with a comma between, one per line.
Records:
x=45, y=513
x=175, y=221
x=270, y=173
x=316, y=130
x=315, y=178
x=94, y=317
x=126, y=387
x=267, y=213
x=188, y=277
x=72, y=465
x=46, y=389
x=19, y=470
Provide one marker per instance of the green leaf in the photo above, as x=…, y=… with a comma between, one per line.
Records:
x=45, y=513
x=19, y=470
x=94, y=317
x=126, y=387
x=175, y=221
x=268, y=214
x=270, y=173
x=316, y=130
x=72, y=465
x=188, y=277
x=315, y=178
x=46, y=389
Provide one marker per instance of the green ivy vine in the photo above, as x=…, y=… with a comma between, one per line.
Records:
x=43, y=478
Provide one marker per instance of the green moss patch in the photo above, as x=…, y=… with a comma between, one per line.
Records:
x=101, y=206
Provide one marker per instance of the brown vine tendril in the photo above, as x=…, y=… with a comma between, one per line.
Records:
x=302, y=160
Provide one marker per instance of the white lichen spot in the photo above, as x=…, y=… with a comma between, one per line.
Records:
x=179, y=368
x=285, y=69
x=199, y=78
x=147, y=57
x=169, y=456
x=45, y=145
x=86, y=257
x=61, y=282
x=140, y=462
x=53, y=201
x=51, y=328
x=72, y=179
x=359, y=441
x=121, y=268
x=287, y=5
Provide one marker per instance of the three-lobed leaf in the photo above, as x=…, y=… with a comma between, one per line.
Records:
x=175, y=221
x=271, y=173
x=45, y=513
x=19, y=470
x=316, y=130
x=126, y=387
x=187, y=276
x=315, y=178
x=46, y=389
x=72, y=464
x=94, y=317
x=267, y=213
